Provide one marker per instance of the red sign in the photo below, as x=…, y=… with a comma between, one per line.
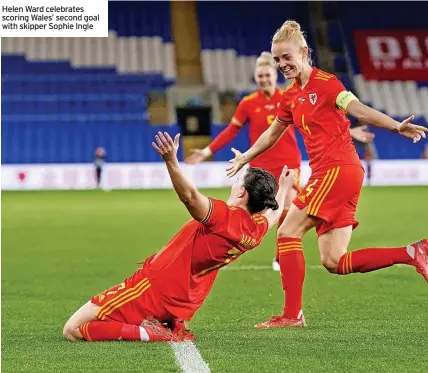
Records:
x=393, y=55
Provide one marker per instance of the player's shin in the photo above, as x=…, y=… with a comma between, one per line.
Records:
x=372, y=259
x=97, y=331
x=292, y=264
x=281, y=219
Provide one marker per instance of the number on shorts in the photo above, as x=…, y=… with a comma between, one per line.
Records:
x=121, y=286
x=310, y=188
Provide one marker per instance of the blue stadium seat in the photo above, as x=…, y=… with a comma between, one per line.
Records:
x=335, y=37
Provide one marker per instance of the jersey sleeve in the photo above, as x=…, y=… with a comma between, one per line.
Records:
x=339, y=96
x=262, y=225
x=217, y=212
x=241, y=113
x=224, y=137
x=284, y=114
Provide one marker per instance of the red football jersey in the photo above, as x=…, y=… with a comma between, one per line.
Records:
x=260, y=112
x=324, y=126
x=183, y=272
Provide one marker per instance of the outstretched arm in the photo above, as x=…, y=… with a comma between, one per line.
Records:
x=263, y=143
x=196, y=203
x=286, y=181
x=371, y=116
x=223, y=138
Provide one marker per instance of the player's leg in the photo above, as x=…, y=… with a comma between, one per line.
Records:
x=291, y=195
x=291, y=258
x=292, y=264
x=333, y=245
x=84, y=325
x=122, y=313
x=98, y=173
x=321, y=199
x=288, y=201
x=336, y=230
x=335, y=258
x=83, y=315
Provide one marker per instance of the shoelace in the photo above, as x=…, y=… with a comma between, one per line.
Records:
x=158, y=327
x=275, y=318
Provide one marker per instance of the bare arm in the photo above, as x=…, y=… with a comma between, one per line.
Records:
x=224, y=137
x=371, y=116
x=286, y=181
x=263, y=143
x=366, y=114
x=196, y=203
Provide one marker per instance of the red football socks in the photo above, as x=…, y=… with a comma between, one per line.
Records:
x=292, y=264
x=110, y=331
x=367, y=260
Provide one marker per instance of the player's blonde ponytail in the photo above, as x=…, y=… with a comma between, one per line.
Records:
x=265, y=59
x=291, y=31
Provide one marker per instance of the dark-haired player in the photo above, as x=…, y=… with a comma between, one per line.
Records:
x=151, y=304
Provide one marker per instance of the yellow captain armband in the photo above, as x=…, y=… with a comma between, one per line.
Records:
x=344, y=98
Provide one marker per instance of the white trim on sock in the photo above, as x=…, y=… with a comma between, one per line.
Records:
x=411, y=251
x=144, y=335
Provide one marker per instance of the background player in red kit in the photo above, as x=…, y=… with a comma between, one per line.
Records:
x=259, y=110
x=151, y=304
x=316, y=103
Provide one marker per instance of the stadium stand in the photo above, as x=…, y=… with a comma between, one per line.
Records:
x=62, y=97
x=397, y=98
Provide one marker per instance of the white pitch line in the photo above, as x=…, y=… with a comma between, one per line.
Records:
x=188, y=357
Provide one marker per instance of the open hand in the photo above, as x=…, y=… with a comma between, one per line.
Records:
x=237, y=163
x=166, y=146
x=412, y=131
x=361, y=134
x=197, y=156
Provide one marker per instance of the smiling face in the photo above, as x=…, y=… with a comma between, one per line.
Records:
x=265, y=77
x=289, y=58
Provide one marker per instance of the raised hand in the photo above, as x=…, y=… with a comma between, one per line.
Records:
x=287, y=178
x=166, y=146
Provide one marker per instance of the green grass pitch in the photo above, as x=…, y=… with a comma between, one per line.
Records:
x=61, y=248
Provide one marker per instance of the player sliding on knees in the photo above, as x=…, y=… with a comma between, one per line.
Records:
x=316, y=103
x=153, y=303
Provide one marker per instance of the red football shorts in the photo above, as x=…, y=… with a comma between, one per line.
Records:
x=276, y=172
x=131, y=301
x=332, y=195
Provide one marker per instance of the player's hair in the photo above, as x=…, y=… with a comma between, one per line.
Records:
x=265, y=59
x=290, y=31
x=261, y=188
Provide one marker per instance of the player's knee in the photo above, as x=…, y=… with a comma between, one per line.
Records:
x=71, y=333
x=330, y=264
x=67, y=333
x=288, y=231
